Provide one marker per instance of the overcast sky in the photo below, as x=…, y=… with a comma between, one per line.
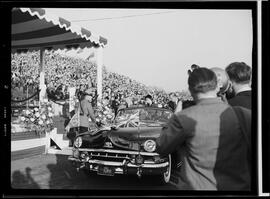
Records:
x=157, y=46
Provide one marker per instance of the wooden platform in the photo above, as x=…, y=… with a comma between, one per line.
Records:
x=27, y=144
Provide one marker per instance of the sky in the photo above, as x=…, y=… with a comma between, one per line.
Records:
x=157, y=46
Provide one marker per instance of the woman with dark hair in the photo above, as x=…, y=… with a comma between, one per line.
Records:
x=213, y=149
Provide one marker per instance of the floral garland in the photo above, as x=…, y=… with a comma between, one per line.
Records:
x=38, y=119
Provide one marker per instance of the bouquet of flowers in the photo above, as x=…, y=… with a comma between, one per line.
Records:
x=38, y=119
x=103, y=113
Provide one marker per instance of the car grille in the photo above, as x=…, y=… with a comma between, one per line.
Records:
x=116, y=157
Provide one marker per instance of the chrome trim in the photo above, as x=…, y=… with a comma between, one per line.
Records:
x=73, y=159
x=119, y=151
x=160, y=165
x=149, y=162
x=110, y=156
x=108, y=163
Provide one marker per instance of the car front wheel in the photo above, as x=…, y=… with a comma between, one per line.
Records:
x=164, y=178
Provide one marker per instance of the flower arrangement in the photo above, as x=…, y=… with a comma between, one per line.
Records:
x=38, y=119
x=104, y=113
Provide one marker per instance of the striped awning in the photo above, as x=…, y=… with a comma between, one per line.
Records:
x=33, y=28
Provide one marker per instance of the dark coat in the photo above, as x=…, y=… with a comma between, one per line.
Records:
x=213, y=150
x=86, y=111
x=242, y=99
x=172, y=105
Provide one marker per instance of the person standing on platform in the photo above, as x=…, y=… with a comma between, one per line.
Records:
x=86, y=112
x=115, y=104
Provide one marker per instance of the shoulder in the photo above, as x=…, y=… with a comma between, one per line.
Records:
x=187, y=115
x=234, y=99
x=85, y=103
x=243, y=110
x=189, y=110
x=239, y=100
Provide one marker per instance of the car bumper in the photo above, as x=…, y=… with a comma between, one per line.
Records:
x=124, y=167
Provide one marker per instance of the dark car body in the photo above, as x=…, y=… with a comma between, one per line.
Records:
x=121, y=147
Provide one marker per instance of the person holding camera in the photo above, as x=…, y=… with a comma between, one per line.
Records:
x=213, y=149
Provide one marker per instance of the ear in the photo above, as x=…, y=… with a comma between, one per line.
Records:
x=219, y=82
x=232, y=83
x=217, y=90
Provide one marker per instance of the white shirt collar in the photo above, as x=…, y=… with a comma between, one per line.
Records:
x=245, y=88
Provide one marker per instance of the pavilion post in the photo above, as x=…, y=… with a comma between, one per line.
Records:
x=99, y=62
x=41, y=77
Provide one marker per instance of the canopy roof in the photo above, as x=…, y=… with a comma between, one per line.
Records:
x=33, y=28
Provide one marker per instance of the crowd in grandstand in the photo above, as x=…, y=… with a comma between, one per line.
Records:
x=63, y=72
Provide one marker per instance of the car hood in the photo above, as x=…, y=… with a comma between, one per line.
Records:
x=132, y=138
x=123, y=138
x=136, y=134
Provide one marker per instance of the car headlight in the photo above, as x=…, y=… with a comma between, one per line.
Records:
x=78, y=142
x=149, y=145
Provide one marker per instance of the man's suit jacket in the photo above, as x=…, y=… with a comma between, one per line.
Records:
x=213, y=149
x=242, y=99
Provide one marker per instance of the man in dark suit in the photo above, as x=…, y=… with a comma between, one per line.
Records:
x=213, y=150
x=240, y=77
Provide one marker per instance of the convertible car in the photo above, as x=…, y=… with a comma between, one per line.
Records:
x=126, y=147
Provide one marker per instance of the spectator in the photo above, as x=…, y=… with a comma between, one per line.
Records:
x=115, y=104
x=173, y=101
x=210, y=134
x=240, y=76
x=148, y=100
x=128, y=101
x=122, y=105
x=223, y=82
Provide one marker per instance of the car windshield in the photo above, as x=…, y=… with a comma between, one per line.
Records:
x=145, y=116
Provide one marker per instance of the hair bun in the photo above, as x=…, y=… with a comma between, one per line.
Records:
x=194, y=66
